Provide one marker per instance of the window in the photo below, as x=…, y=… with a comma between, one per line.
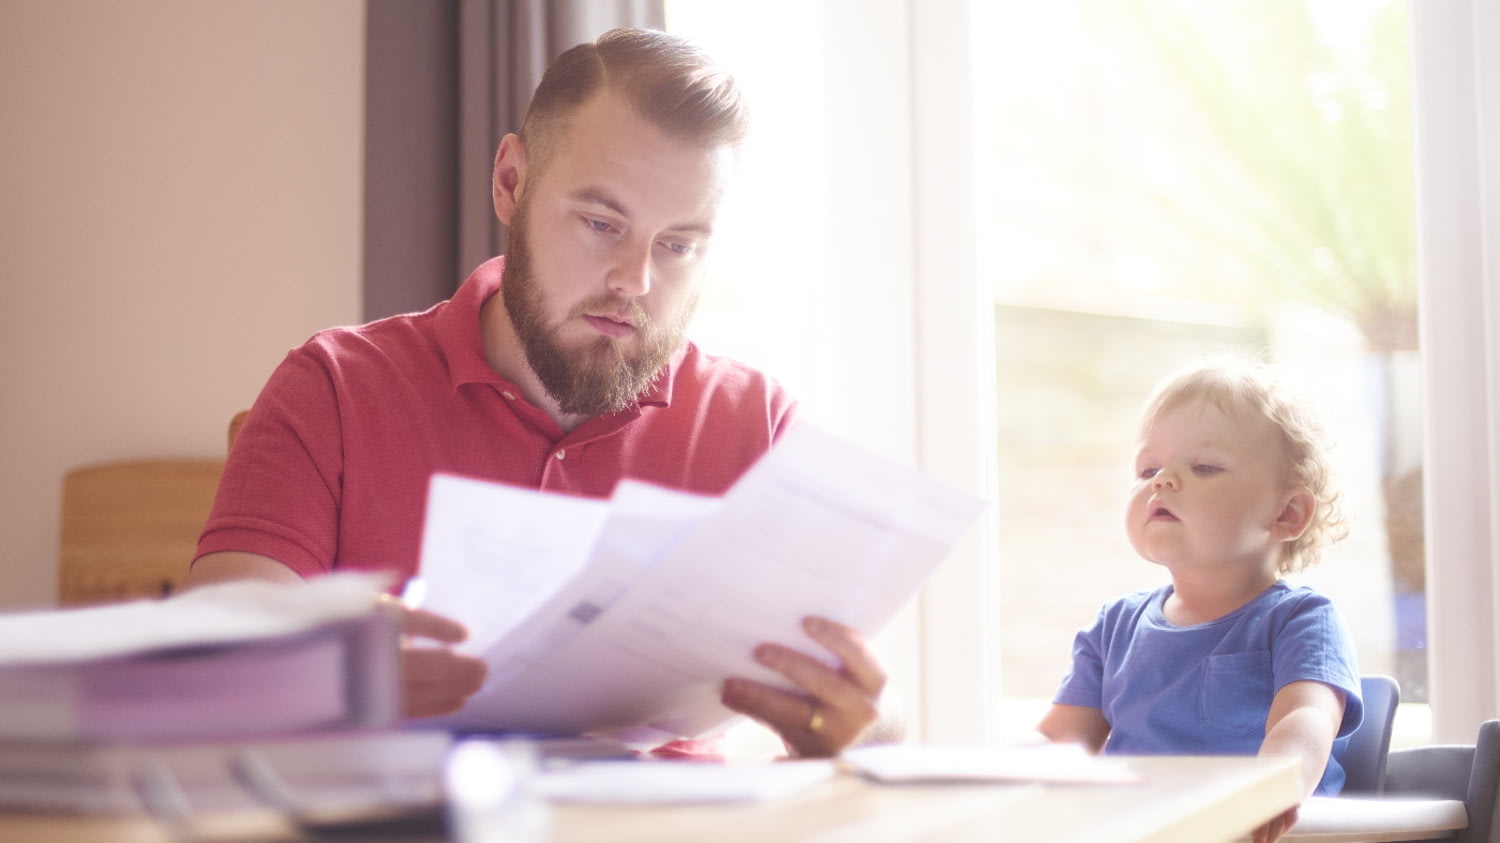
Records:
x=1153, y=189
x=936, y=234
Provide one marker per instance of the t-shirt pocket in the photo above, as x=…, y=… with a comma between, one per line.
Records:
x=1236, y=694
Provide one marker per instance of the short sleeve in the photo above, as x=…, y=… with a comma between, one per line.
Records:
x=1084, y=683
x=1313, y=644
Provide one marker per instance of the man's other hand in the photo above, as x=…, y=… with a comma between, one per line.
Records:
x=836, y=706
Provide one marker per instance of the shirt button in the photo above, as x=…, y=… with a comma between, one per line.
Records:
x=561, y=454
x=508, y=395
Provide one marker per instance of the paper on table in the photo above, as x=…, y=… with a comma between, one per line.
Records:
x=1038, y=762
x=667, y=782
x=817, y=527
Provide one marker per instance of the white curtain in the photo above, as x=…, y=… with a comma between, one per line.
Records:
x=1456, y=48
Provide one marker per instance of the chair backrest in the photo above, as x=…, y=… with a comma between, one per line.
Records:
x=1363, y=755
x=235, y=424
x=1470, y=773
x=1484, y=786
x=129, y=529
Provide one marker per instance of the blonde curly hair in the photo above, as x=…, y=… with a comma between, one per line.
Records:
x=1247, y=388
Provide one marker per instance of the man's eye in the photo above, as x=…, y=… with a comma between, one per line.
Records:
x=679, y=247
x=600, y=226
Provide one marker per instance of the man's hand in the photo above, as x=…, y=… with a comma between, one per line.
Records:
x=836, y=706
x=435, y=680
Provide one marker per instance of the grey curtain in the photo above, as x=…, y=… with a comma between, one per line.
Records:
x=445, y=80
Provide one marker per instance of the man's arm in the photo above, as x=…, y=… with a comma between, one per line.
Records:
x=227, y=566
x=434, y=679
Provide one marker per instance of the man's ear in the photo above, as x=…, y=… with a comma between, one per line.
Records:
x=509, y=177
x=1296, y=515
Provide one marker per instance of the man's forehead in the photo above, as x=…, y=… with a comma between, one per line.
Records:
x=616, y=160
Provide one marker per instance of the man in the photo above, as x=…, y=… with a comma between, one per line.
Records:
x=574, y=376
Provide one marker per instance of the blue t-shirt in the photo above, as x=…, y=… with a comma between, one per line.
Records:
x=1207, y=689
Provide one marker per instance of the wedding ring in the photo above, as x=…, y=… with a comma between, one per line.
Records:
x=815, y=722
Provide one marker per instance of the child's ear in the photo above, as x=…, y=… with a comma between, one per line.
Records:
x=1296, y=515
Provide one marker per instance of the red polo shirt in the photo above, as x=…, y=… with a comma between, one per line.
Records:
x=330, y=470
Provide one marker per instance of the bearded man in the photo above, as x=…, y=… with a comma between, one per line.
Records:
x=575, y=376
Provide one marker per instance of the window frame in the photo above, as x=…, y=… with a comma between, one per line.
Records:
x=1456, y=84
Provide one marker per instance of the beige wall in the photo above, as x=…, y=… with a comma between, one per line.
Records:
x=179, y=204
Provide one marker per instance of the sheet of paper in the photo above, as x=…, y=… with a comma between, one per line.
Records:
x=642, y=524
x=491, y=554
x=1038, y=762
x=669, y=783
x=818, y=526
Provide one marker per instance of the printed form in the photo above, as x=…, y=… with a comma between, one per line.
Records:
x=629, y=613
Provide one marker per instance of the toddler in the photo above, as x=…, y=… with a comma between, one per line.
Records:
x=1231, y=491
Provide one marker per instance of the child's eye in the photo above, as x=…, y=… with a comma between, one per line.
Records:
x=1147, y=473
x=1205, y=470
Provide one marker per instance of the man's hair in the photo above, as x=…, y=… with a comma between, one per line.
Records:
x=1241, y=389
x=668, y=80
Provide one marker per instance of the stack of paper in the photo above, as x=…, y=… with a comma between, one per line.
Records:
x=234, y=659
x=98, y=703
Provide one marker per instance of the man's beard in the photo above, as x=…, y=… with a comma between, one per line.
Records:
x=596, y=376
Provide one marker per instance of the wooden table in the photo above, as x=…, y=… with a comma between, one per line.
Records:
x=1191, y=800
x=1181, y=800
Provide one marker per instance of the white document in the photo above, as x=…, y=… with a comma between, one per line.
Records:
x=1065, y=763
x=668, y=783
x=676, y=591
x=491, y=554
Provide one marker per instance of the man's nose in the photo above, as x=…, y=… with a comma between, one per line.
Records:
x=631, y=273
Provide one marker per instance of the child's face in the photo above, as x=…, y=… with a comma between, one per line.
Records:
x=1208, y=490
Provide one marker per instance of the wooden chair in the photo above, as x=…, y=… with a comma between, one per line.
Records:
x=129, y=528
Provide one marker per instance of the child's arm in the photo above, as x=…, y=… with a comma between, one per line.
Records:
x=1075, y=724
x=1303, y=722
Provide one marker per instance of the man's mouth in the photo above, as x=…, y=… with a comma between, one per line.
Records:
x=610, y=326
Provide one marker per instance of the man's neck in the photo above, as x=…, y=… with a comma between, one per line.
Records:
x=502, y=350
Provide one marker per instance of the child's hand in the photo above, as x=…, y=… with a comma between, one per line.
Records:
x=1075, y=724
x=1277, y=826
